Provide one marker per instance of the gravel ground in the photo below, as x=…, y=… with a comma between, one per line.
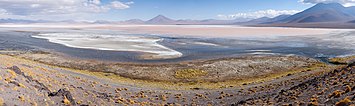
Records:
x=25, y=82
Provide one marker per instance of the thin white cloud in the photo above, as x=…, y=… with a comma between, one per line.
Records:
x=97, y=2
x=56, y=8
x=119, y=5
x=129, y=3
x=343, y=2
x=3, y=12
x=258, y=14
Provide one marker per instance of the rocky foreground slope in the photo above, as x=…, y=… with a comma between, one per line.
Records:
x=24, y=82
x=333, y=88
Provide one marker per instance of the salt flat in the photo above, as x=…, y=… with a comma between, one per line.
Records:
x=218, y=31
x=113, y=43
x=191, y=41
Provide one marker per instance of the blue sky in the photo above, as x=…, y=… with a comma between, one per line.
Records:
x=145, y=9
x=199, y=9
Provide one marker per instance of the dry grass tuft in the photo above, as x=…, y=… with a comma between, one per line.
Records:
x=21, y=98
x=336, y=94
x=2, y=102
x=347, y=89
x=345, y=102
x=66, y=101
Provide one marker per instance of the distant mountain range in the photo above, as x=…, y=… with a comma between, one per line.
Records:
x=20, y=21
x=23, y=21
x=160, y=19
x=332, y=15
x=322, y=13
x=264, y=20
x=326, y=15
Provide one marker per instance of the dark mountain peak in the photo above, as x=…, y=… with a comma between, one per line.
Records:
x=160, y=16
x=322, y=6
x=322, y=12
x=160, y=19
x=329, y=5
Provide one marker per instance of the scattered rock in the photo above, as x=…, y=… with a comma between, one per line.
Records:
x=65, y=94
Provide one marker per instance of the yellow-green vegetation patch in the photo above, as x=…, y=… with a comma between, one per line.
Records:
x=205, y=84
x=189, y=73
x=314, y=66
x=342, y=60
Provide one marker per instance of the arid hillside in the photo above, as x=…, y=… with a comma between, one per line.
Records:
x=25, y=82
